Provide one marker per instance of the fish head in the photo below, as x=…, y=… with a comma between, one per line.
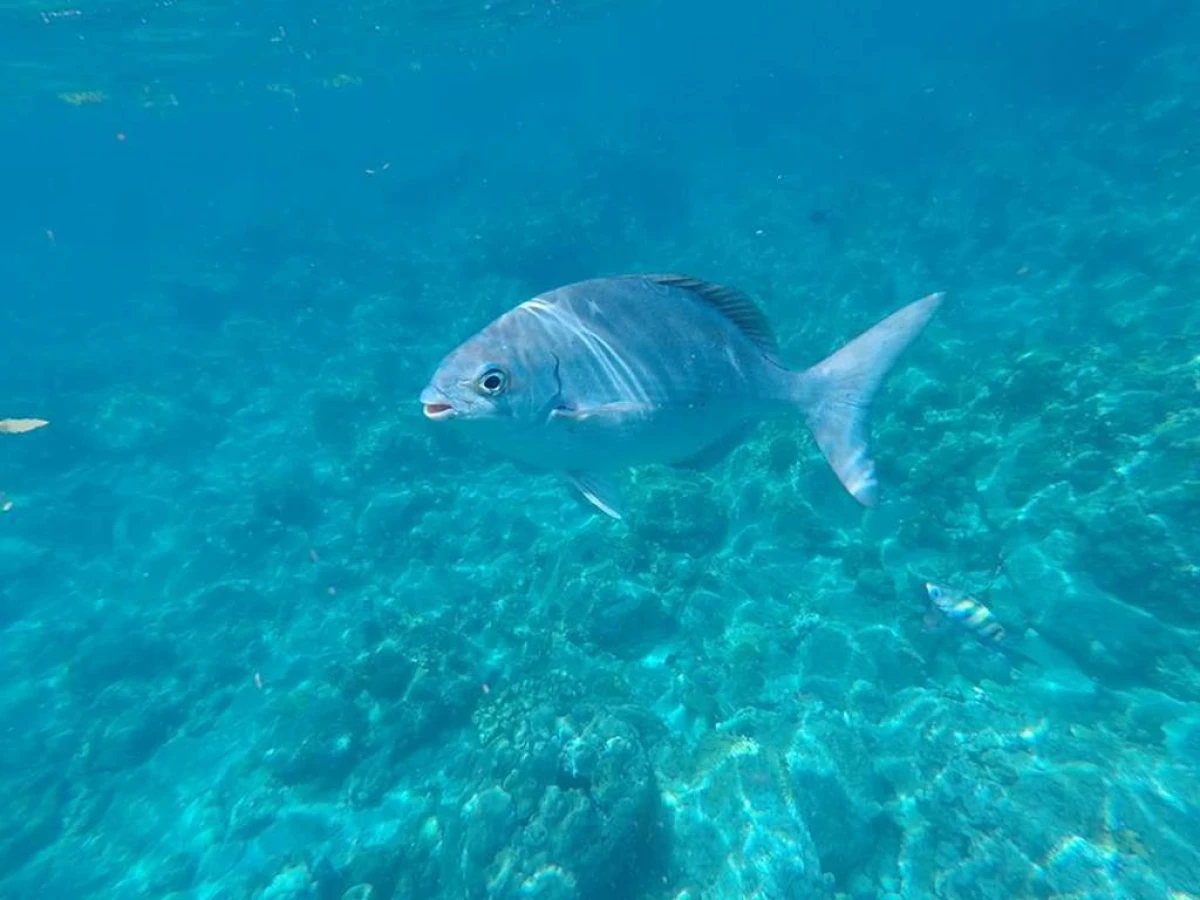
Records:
x=939, y=596
x=493, y=377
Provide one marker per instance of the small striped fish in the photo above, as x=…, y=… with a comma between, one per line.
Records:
x=969, y=613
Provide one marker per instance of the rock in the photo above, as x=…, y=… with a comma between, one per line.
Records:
x=627, y=619
x=569, y=807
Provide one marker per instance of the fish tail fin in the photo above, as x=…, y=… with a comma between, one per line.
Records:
x=836, y=394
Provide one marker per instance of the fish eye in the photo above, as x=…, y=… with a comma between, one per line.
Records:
x=493, y=380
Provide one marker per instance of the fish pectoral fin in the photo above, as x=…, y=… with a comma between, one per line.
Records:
x=603, y=411
x=599, y=490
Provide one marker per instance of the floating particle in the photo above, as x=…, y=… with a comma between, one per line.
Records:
x=20, y=426
x=80, y=98
x=6, y=505
x=258, y=680
x=50, y=15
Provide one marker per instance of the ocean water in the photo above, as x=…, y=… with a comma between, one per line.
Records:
x=267, y=633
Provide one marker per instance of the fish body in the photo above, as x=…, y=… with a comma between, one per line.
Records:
x=960, y=607
x=965, y=611
x=599, y=376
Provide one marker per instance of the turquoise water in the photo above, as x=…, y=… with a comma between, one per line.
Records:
x=268, y=633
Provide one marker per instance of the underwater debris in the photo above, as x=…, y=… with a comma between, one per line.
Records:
x=17, y=426
x=82, y=98
x=20, y=426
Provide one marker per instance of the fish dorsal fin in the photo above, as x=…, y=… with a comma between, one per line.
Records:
x=733, y=305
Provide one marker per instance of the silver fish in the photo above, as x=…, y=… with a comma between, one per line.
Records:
x=601, y=375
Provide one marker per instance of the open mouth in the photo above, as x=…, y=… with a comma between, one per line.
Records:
x=437, y=411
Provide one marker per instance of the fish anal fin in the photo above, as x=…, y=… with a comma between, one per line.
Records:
x=735, y=306
x=718, y=450
x=598, y=489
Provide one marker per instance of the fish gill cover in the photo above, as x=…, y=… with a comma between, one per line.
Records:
x=267, y=632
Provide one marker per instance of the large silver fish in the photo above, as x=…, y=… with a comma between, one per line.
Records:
x=601, y=375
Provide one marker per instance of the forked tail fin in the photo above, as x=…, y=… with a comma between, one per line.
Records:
x=836, y=394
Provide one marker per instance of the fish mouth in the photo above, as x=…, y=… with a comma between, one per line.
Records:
x=436, y=412
x=436, y=405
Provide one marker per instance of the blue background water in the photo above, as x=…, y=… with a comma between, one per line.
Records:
x=235, y=241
